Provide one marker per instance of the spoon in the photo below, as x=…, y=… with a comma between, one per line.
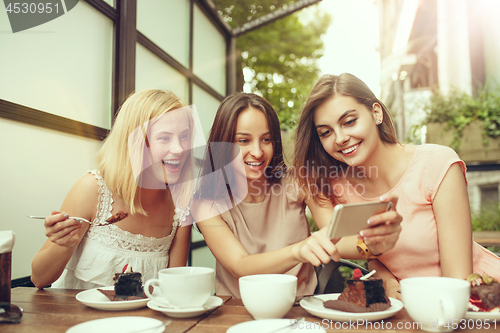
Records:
x=292, y=323
x=154, y=328
x=78, y=219
x=367, y=276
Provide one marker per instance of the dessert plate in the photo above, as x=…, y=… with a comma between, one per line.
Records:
x=272, y=325
x=119, y=324
x=212, y=303
x=97, y=300
x=317, y=309
x=482, y=315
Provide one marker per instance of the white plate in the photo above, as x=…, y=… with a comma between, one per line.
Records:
x=319, y=310
x=95, y=299
x=482, y=315
x=210, y=304
x=268, y=325
x=118, y=324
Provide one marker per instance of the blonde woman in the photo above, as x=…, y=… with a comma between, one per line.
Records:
x=143, y=170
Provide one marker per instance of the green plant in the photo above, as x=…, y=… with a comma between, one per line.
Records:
x=278, y=61
x=458, y=109
x=312, y=224
x=487, y=219
x=487, y=105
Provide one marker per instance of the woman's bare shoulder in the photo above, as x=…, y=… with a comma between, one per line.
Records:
x=83, y=196
x=87, y=183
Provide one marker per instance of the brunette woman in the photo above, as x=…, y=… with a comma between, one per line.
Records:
x=343, y=126
x=250, y=212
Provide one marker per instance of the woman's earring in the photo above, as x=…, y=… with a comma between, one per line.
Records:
x=379, y=121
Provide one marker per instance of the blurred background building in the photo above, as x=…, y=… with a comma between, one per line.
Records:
x=430, y=46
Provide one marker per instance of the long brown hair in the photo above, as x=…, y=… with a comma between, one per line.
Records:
x=309, y=152
x=224, y=130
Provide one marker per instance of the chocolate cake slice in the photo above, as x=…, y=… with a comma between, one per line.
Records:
x=361, y=295
x=128, y=286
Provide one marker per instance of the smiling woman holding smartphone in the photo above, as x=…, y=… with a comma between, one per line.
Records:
x=343, y=126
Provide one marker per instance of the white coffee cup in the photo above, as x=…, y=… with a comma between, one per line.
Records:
x=268, y=295
x=437, y=303
x=183, y=287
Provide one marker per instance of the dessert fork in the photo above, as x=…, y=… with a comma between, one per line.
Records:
x=78, y=219
x=315, y=300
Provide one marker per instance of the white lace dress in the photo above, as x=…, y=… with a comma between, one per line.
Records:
x=104, y=250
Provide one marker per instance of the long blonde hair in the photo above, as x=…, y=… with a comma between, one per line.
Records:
x=114, y=160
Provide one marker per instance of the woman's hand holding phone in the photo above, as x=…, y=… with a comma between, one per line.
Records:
x=384, y=228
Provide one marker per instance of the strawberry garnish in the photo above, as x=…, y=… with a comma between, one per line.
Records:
x=357, y=274
x=125, y=268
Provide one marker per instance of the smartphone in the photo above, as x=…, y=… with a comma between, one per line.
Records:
x=350, y=219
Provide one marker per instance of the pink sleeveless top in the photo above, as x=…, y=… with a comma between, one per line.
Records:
x=416, y=252
x=276, y=222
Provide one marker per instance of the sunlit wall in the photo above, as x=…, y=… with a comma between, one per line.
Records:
x=63, y=75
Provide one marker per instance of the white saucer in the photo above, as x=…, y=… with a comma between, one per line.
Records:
x=95, y=299
x=316, y=308
x=118, y=324
x=212, y=303
x=268, y=325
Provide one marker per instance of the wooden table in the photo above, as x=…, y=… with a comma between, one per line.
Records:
x=56, y=310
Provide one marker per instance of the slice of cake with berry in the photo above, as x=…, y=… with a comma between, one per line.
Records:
x=363, y=294
x=128, y=286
